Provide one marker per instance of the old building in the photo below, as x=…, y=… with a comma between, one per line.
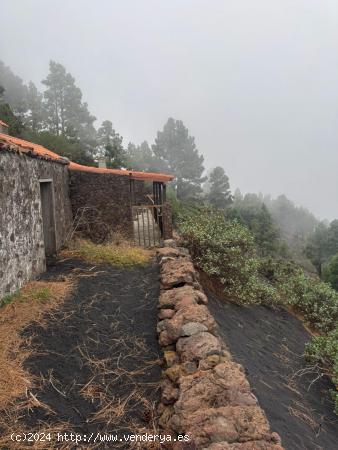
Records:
x=128, y=202
x=35, y=212
x=45, y=197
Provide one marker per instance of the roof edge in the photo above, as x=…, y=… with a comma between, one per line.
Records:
x=11, y=148
x=134, y=175
x=38, y=151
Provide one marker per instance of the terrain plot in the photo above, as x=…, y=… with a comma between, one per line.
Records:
x=269, y=343
x=95, y=359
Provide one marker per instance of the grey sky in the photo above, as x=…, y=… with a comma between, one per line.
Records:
x=255, y=81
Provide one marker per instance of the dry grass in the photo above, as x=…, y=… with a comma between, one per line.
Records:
x=118, y=387
x=25, y=306
x=119, y=254
x=7, y=443
x=303, y=413
x=20, y=309
x=132, y=410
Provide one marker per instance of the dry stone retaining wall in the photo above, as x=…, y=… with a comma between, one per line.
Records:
x=205, y=394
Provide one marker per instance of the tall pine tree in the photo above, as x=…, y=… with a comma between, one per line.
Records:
x=66, y=114
x=141, y=157
x=219, y=193
x=35, y=115
x=110, y=145
x=15, y=91
x=176, y=149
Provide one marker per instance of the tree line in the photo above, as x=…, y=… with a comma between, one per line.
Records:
x=59, y=119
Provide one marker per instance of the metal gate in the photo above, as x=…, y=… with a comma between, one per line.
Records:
x=148, y=226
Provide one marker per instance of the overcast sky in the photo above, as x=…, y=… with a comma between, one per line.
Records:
x=255, y=81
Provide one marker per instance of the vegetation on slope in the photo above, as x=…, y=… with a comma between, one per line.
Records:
x=323, y=352
x=225, y=248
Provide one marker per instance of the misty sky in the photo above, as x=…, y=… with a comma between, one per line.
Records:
x=255, y=81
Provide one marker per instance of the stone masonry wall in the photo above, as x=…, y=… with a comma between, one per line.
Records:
x=109, y=201
x=205, y=394
x=22, y=255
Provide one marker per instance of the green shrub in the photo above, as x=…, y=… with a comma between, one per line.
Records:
x=316, y=300
x=8, y=298
x=225, y=249
x=38, y=294
x=323, y=351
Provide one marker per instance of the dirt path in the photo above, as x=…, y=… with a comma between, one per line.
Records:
x=269, y=343
x=97, y=361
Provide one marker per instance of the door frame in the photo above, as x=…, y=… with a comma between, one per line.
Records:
x=42, y=181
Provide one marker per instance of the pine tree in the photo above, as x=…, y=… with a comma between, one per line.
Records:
x=317, y=248
x=219, y=192
x=237, y=197
x=333, y=237
x=35, y=115
x=55, y=98
x=141, y=157
x=110, y=145
x=176, y=149
x=15, y=91
x=66, y=114
x=7, y=115
x=265, y=231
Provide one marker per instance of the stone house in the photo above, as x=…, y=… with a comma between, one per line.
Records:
x=44, y=196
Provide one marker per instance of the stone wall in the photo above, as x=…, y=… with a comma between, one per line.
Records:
x=107, y=197
x=22, y=254
x=205, y=394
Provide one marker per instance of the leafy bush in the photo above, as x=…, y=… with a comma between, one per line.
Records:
x=225, y=249
x=317, y=301
x=323, y=351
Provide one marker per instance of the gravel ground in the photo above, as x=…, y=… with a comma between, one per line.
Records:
x=269, y=343
x=97, y=361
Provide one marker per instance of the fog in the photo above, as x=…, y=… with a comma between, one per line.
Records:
x=255, y=81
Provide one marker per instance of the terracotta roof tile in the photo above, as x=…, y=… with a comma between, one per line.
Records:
x=39, y=150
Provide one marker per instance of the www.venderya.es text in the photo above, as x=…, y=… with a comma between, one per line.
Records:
x=96, y=437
